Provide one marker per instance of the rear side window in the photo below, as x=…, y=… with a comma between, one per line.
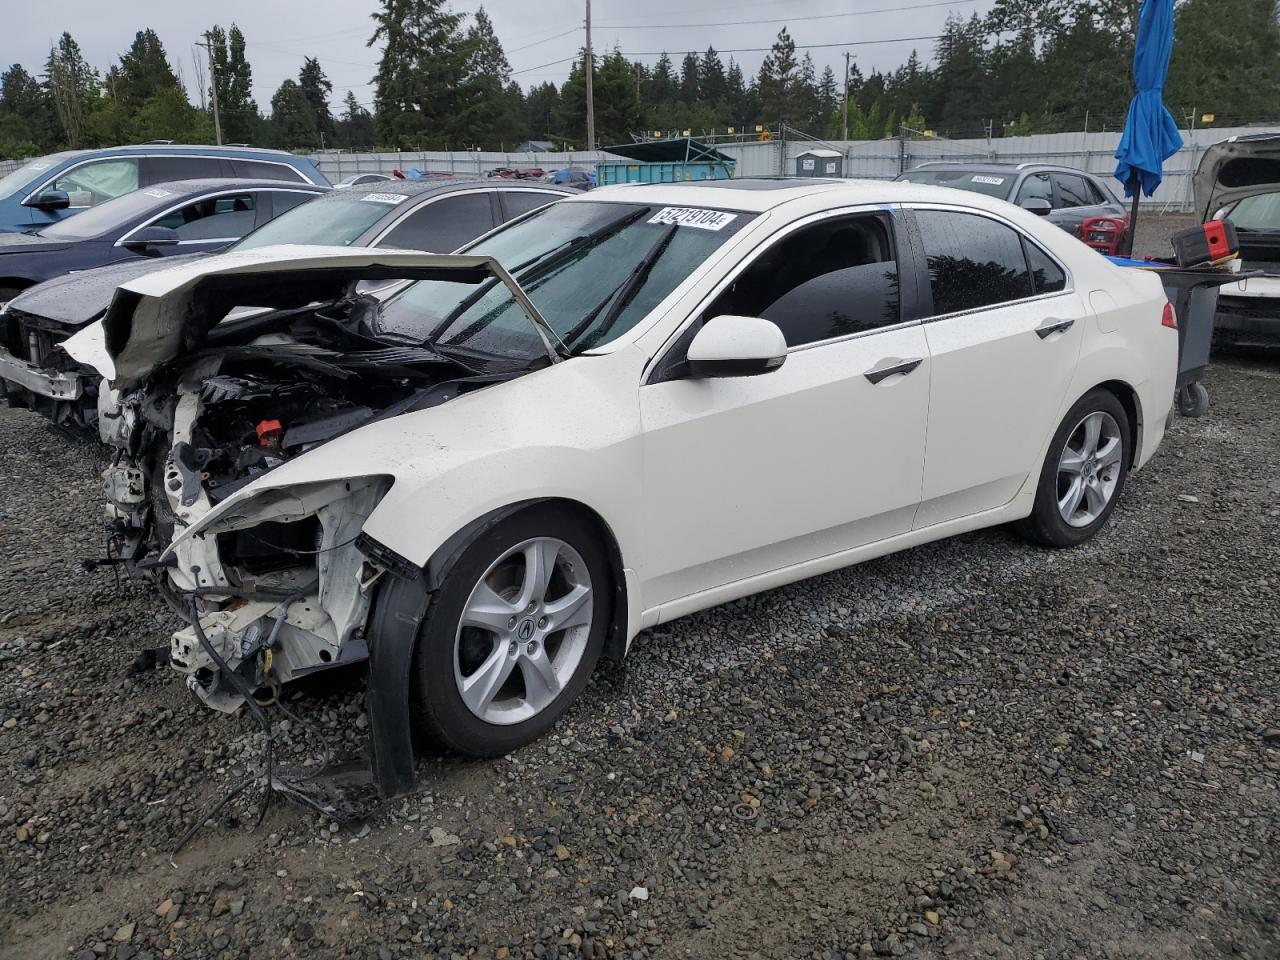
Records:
x=214, y=218
x=164, y=169
x=262, y=170
x=522, y=201
x=1046, y=276
x=96, y=182
x=444, y=225
x=973, y=261
x=828, y=280
x=1073, y=191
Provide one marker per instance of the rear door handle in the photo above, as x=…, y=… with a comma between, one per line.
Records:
x=890, y=366
x=1054, y=325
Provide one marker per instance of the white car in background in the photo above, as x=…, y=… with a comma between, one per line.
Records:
x=619, y=409
x=1240, y=179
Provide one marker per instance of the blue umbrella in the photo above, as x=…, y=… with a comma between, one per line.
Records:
x=1150, y=135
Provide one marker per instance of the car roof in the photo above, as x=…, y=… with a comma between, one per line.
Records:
x=206, y=184
x=432, y=187
x=178, y=149
x=999, y=167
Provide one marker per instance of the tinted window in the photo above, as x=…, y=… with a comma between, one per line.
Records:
x=1045, y=274
x=443, y=226
x=829, y=280
x=214, y=218
x=973, y=261
x=261, y=170
x=338, y=220
x=522, y=201
x=282, y=200
x=163, y=169
x=1072, y=191
x=92, y=183
x=1036, y=187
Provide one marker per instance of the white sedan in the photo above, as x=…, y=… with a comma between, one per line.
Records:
x=672, y=396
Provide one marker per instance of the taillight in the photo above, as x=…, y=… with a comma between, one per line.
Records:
x=1167, y=319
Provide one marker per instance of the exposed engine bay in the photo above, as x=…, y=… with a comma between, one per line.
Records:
x=284, y=592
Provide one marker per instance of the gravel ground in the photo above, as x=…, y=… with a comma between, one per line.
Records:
x=974, y=748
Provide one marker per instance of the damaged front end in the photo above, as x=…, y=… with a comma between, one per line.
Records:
x=271, y=580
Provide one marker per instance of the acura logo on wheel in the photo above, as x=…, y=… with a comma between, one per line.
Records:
x=525, y=630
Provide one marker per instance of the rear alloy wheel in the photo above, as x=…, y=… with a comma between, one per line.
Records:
x=513, y=633
x=1083, y=474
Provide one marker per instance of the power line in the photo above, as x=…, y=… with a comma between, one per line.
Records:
x=821, y=16
x=537, y=43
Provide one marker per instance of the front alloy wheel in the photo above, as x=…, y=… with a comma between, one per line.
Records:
x=513, y=631
x=1089, y=469
x=523, y=631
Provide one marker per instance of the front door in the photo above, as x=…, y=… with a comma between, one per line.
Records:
x=747, y=475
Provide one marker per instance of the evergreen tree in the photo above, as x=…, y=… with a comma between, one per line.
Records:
x=144, y=72
x=293, y=118
x=1226, y=60
x=782, y=100
x=828, y=97
x=541, y=107
x=712, y=82
x=962, y=78
x=663, y=87
x=490, y=105
x=71, y=83
x=356, y=129
x=689, y=69
x=26, y=124
x=234, y=80
x=316, y=88
x=420, y=73
x=741, y=111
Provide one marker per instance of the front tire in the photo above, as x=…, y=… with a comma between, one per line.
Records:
x=513, y=634
x=1084, y=473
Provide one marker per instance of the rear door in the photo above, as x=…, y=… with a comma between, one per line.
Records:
x=165, y=169
x=1004, y=330
x=206, y=224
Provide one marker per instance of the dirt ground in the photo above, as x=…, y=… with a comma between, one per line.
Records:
x=975, y=748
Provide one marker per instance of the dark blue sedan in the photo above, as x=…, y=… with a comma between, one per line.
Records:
x=186, y=216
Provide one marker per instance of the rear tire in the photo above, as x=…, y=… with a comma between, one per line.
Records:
x=1083, y=474
x=512, y=635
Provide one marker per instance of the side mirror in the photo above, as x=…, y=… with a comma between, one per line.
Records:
x=50, y=200
x=150, y=237
x=729, y=346
x=1038, y=206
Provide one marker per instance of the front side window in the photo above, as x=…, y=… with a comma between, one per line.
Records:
x=1072, y=191
x=827, y=280
x=593, y=270
x=214, y=218
x=1036, y=187
x=443, y=225
x=973, y=261
x=99, y=181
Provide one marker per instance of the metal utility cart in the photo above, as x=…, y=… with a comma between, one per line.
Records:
x=1193, y=292
x=664, y=161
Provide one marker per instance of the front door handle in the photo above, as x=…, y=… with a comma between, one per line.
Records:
x=889, y=367
x=1054, y=325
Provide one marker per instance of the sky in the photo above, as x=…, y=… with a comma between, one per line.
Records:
x=540, y=38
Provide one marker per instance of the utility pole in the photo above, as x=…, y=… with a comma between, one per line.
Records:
x=213, y=74
x=845, y=135
x=591, y=69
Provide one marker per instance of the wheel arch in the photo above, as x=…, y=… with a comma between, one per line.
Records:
x=16, y=283
x=442, y=560
x=1132, y=404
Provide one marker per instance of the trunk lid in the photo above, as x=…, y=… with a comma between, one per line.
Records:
x=1237, y=168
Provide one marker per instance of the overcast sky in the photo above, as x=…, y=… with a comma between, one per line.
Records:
x=535, y=34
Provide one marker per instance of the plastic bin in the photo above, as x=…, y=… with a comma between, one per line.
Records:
x=662, y=172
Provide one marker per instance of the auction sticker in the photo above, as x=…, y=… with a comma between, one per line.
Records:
x=693, y=217
x=391, y=198
x=994, y=181
x=158, y=193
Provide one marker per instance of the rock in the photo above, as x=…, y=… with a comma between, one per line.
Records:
x=163, y=908
x=441, y=837
x=639, y=893
x=562, y=852
x=124, y=934
x=931, y=916
x=221, y=905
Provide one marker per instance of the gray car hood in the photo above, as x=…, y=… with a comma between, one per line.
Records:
x=1237, y=168
x=165, y=314
x=77, y=298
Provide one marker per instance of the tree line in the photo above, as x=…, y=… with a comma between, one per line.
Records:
x=443, y=81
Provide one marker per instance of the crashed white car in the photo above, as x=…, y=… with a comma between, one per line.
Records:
x=1239, y=178
x=672, y=396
